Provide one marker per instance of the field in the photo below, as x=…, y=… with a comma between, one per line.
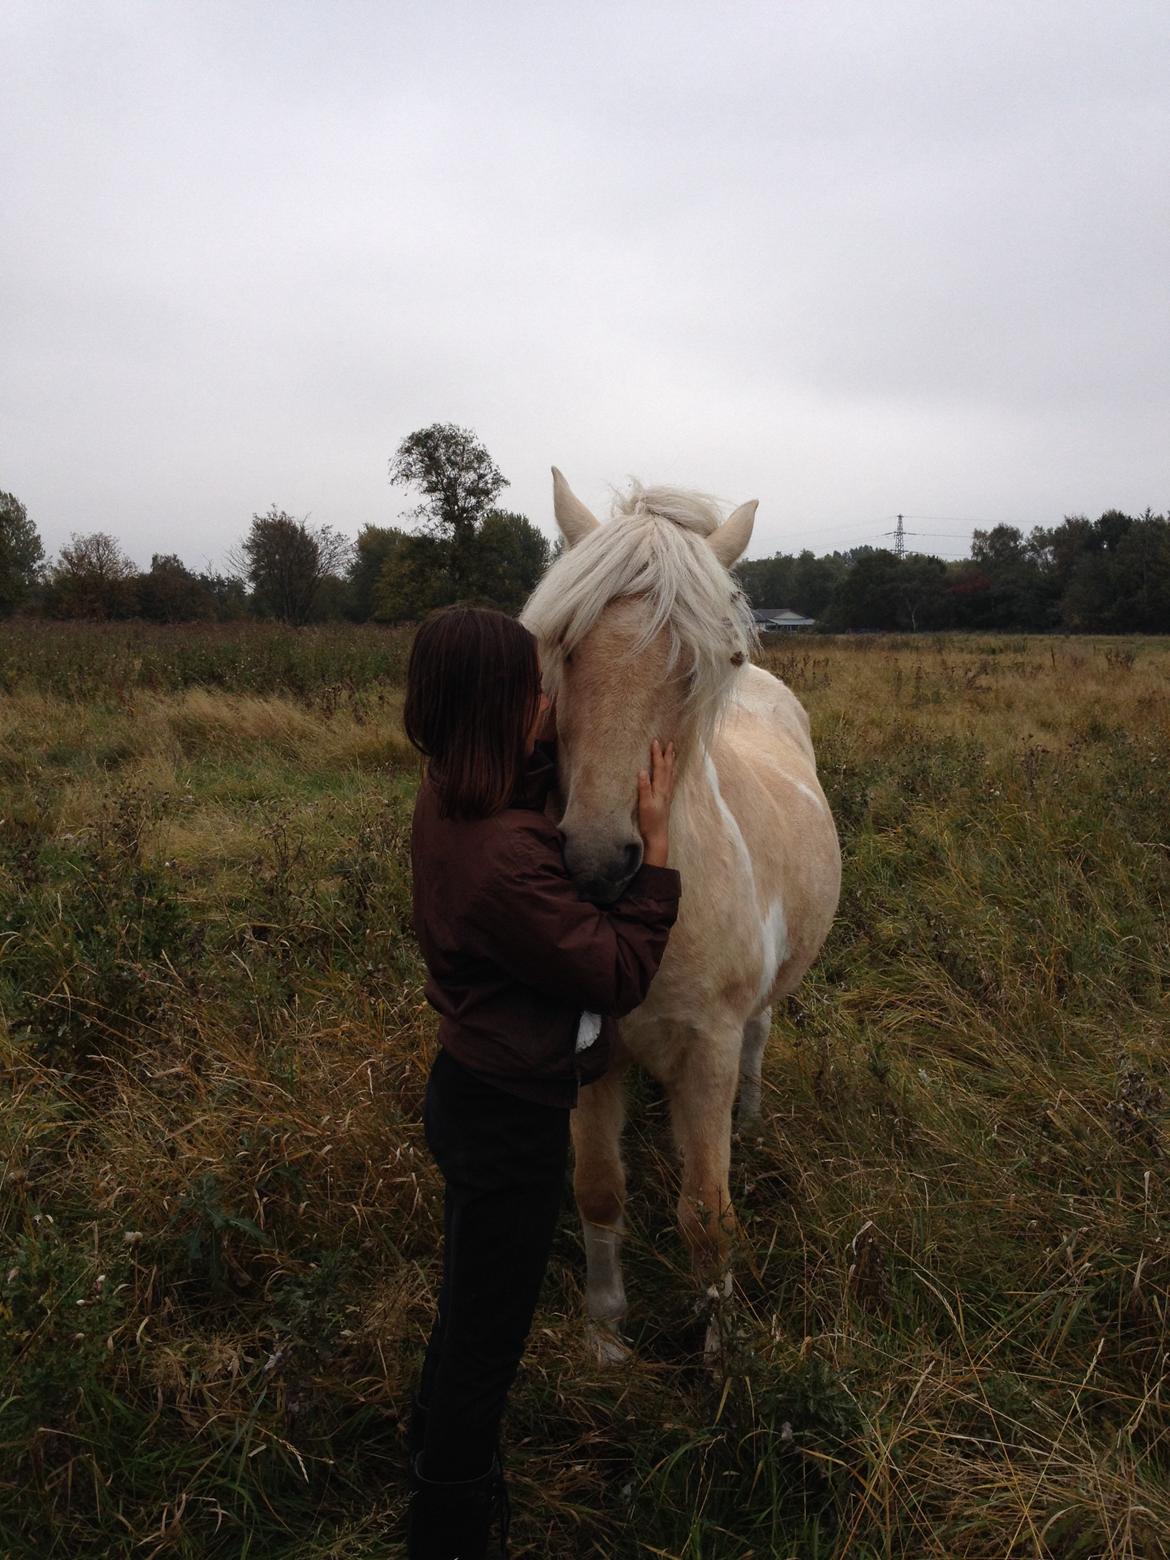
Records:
x=219, y=1223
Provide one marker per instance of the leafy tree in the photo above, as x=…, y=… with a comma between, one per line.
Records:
x=1120, y=580
x=169, y=592
x=882, y=591
x=767, y=582
x=1019, y=589
x=1060, y=548
x=813, y=581
x=1143, y=561
x=21, y=553
x=93, y=578
x=509, y=556
x=374, y=545
x=920, y=589
x=334, y=599
x=506, y=558
x=459, y=482
x=286, y=562
x=228, y=595
x=414, y=579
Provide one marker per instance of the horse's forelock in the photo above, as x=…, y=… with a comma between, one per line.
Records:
x=697, y=512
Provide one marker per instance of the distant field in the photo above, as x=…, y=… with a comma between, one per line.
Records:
x=219, y=1223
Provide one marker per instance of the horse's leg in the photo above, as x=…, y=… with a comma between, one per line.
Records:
x=702, y=1094
x=755, y=1038
x=599, y=1183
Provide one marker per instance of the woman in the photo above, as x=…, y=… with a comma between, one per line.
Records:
x=527, y=978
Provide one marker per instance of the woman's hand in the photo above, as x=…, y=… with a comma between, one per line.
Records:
x=655, y=793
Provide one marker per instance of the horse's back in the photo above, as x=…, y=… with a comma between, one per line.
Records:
x=765, y=712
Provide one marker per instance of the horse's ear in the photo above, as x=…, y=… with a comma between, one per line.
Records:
x=573, y=518
x=730, y=539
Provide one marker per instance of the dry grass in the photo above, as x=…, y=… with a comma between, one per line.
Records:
x=220, y=1224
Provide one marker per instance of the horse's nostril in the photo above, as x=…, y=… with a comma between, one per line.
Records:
x=633, y=858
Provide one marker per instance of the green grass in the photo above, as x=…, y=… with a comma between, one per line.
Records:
x=220, y=1225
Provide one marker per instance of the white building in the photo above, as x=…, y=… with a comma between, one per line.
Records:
x=772, y=620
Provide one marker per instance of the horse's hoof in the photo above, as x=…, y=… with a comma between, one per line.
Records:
x=607, y=1345
x=717, y=1303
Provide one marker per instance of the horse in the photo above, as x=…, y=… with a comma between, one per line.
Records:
x=643, y=632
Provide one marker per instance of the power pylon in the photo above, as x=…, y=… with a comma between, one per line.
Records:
x=899, y=540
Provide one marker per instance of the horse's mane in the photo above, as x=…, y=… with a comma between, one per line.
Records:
x=653, y=547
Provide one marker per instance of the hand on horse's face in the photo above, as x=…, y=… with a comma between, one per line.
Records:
x=655, y=794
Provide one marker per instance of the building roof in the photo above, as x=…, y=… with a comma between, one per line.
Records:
x=781, y=617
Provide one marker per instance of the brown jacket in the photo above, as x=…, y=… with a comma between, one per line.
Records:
x=514, y=955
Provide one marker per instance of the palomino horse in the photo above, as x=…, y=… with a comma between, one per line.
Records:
x=643, y=633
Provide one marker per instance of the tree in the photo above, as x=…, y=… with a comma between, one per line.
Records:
x=813, y=580
x=374, y=545
x=20, y=553
x=414, y=578
x=882, y=591
x=766, y=582
x=286, y=562
x=1119, y=579
x=1018, y=586
x=170, y=593
x=1143, y=564
x=459, y=481
x=510, y=554
x=228, y=595
x=93, y=578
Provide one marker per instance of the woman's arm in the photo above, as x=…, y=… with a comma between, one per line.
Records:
x=532, y=922
x=534, y=925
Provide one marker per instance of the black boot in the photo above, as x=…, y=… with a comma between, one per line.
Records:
x=452, y=1519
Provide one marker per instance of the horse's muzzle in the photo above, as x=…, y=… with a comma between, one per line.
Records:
x=603, y=881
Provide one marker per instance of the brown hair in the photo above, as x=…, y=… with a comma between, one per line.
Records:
x=472, y=692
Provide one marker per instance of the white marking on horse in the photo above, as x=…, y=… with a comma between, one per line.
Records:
x=729, y=819
x=605, y=1292
x=774, y=929
x=774, y=946
x=807, y=790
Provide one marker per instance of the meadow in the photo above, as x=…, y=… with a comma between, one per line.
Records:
x=219, y=1225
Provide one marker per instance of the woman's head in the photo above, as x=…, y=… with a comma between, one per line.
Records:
x=472, y=699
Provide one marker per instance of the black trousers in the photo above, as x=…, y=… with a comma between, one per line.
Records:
x=503, y=1160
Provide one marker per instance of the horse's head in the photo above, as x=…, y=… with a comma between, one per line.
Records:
x=641, y=630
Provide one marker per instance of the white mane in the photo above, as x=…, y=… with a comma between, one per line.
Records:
x=653, y=548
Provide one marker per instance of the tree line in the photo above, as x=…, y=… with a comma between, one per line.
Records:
x=1109, y=575
x=461, y=546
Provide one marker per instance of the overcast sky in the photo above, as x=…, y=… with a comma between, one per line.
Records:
x=848, y=259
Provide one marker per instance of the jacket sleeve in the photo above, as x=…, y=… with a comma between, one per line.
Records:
x=531, y=922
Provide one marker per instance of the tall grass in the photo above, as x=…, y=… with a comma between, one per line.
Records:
x=103, y=661
x=220, y=1225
